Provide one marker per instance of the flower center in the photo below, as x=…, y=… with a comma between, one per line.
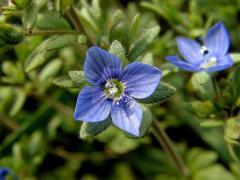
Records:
x=203, y=50
x=114, y=89
x=209, y=63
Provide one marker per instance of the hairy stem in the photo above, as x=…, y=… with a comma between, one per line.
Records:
x=74, y=19
x=57, y=105
x=169, y=149
x=9, y=123
x=232, y=153
x=50, y=32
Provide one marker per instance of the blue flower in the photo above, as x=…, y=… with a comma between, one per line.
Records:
x=212, y=56
x=3, y=172
x=114, y=89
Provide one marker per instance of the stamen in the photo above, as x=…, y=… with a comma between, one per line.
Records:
x=209, y=63
x=114, y=89
x=203, y=50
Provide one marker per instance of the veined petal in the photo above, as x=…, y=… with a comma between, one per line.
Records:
x=223, y=62
x=92, y=106
x=3, y=172
x=100, y=66
x=127, y=115
x=182, y=64
x=140, y=79
x=217, y=40
x=190, y=50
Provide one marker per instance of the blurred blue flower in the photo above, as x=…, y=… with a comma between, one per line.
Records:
x=212, y=56
x=114, y=89
x=3, y=172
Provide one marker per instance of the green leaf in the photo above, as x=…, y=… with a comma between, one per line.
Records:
x=203, y=108
x=90, y=129
x=235, y=57
x=120, y=32
x=78, y=78
x=30, y=15
x=45, y=49
x=50, y=70
x=232, y=130
x=162, y=93
x=20, y=97
x=145, y=40
x=202, y=84
x=211, y=123
x=117, y=17
x=51, y=20
x=63, y=5
x=64, y=82
x=118, y=50
x=134, y=27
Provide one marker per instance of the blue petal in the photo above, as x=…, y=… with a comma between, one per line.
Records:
x=224, y=62
x=182, y=64
x=190, y=50
x=127, y=115
x=217, y=40
x=140, y=79
x=4, y=172
x=100, y=66
x=92, y=106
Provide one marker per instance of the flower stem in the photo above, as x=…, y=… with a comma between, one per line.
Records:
x=215, y=85
x=169, y=149
x=74, y=19
x=11, y=124
x=232, y=153
x=50, y=32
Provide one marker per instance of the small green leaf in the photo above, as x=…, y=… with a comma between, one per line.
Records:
x=51, y=20
x=64, y=82
x=117, y=17
x=145, y=40
x=118, y=50
x=120, y=32
x=162, y=93
x=78, y=78
x=30, y=15
x=20, y=98
x=203, y=108
x=50, y=70
x=235, y=57
x=202, y=84
x=45, y=49
x=211, y=123
x=134, y=27
x=90, y=129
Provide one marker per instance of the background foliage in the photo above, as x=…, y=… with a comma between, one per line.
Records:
x=43, y=46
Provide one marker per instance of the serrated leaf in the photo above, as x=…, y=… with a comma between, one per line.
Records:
x=202, y=84
x=30, y=14
x=118, y=50
x=162, y=93
x=144, y=41
x=90, y=129
x=211, y=123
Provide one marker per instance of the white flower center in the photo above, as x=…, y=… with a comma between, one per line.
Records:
x=209, y=63
x=114, y=89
